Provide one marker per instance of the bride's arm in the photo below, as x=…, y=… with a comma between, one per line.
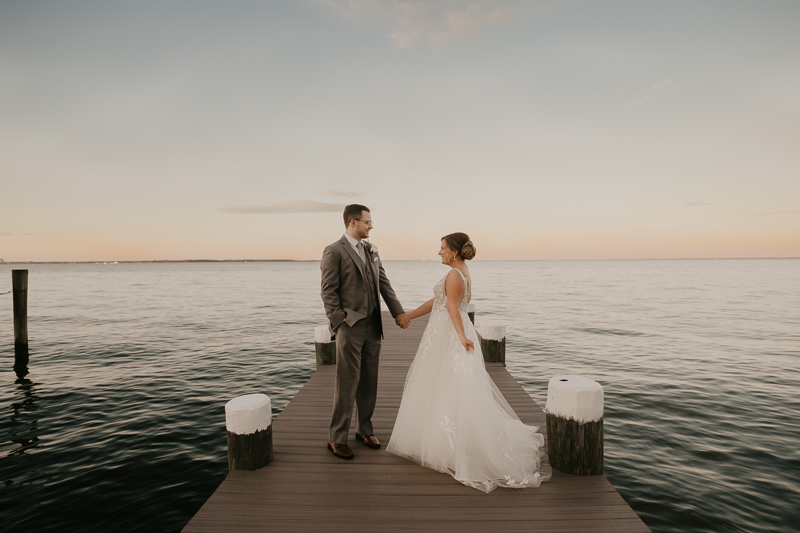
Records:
x=423, y=309
x=454, y=289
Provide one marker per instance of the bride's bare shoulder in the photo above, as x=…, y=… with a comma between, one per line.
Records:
x=455, y=280
x=465, y=274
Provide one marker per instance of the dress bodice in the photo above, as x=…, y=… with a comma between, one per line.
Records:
x=440, y=297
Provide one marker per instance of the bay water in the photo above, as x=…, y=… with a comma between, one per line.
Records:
x=118, y=423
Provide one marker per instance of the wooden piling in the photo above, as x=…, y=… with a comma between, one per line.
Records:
x=575, y=425
x=19, y=285
x=326, y=353
x=493, y=342
x=250, y=452
x=248, y=423
x=325, y=346
x=575, y=447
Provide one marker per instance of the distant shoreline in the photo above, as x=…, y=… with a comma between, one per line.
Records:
x=389, y=260
x=160, y=261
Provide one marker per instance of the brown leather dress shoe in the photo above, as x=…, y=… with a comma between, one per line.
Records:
x=340, y=450
x=369, y=440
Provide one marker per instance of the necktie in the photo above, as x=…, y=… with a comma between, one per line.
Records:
x=361, y=254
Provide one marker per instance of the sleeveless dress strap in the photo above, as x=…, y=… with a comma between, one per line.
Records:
x=462, y=274
x=466, y=282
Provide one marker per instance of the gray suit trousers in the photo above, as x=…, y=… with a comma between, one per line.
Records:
x=358, y=350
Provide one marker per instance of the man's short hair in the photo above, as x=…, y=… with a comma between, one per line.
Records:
x=353, y=211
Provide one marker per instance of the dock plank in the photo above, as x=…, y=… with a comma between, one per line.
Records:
x=306, y=488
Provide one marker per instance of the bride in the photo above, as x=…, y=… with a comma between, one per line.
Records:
x=452, y=416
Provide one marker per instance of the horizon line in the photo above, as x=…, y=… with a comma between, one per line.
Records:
x=132, y=261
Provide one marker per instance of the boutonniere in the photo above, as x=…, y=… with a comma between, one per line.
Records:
x=372, y=249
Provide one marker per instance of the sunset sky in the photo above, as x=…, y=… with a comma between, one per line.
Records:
x=141, y=130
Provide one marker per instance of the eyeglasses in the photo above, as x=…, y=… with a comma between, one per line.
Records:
x=367, y=222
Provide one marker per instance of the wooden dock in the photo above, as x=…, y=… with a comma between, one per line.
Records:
x=306, y=488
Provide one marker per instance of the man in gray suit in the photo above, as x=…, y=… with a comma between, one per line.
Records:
x=352, y=280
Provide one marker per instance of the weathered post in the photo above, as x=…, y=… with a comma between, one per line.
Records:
x=325, y=346
x=19, y=286
x=248, y=421
x=471, y=312
x=493, y=341
x=575, y=425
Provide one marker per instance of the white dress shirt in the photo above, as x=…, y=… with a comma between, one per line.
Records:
x=353, y=242
x=360, y=251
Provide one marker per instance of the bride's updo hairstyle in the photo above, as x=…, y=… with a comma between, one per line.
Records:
x=459, y=242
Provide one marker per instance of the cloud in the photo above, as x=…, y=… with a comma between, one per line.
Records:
x=411, y=22
x=665, y=85
x=2, y=234
x=774, y=213
x=291, y=206
x=695, y=204
x=654, y=90
x=342, y=194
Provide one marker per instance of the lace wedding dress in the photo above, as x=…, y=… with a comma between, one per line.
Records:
x=454, y=419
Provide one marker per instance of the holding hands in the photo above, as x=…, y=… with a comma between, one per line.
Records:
x=402, y=320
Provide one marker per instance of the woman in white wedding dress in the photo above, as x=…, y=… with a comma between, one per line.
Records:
x=452, y=416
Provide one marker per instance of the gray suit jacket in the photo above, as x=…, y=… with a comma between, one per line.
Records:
x=344, y=285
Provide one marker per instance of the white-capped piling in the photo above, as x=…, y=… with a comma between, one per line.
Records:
x=575, y=425
x=471, y=312
x=325, y=346
x=248, y=421
x=493, y=341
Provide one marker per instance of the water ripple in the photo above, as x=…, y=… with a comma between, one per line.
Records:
x=120, y=423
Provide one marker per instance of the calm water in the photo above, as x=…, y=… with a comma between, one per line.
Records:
x=119, y=424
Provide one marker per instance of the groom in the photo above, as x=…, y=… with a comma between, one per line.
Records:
x=352, y=279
